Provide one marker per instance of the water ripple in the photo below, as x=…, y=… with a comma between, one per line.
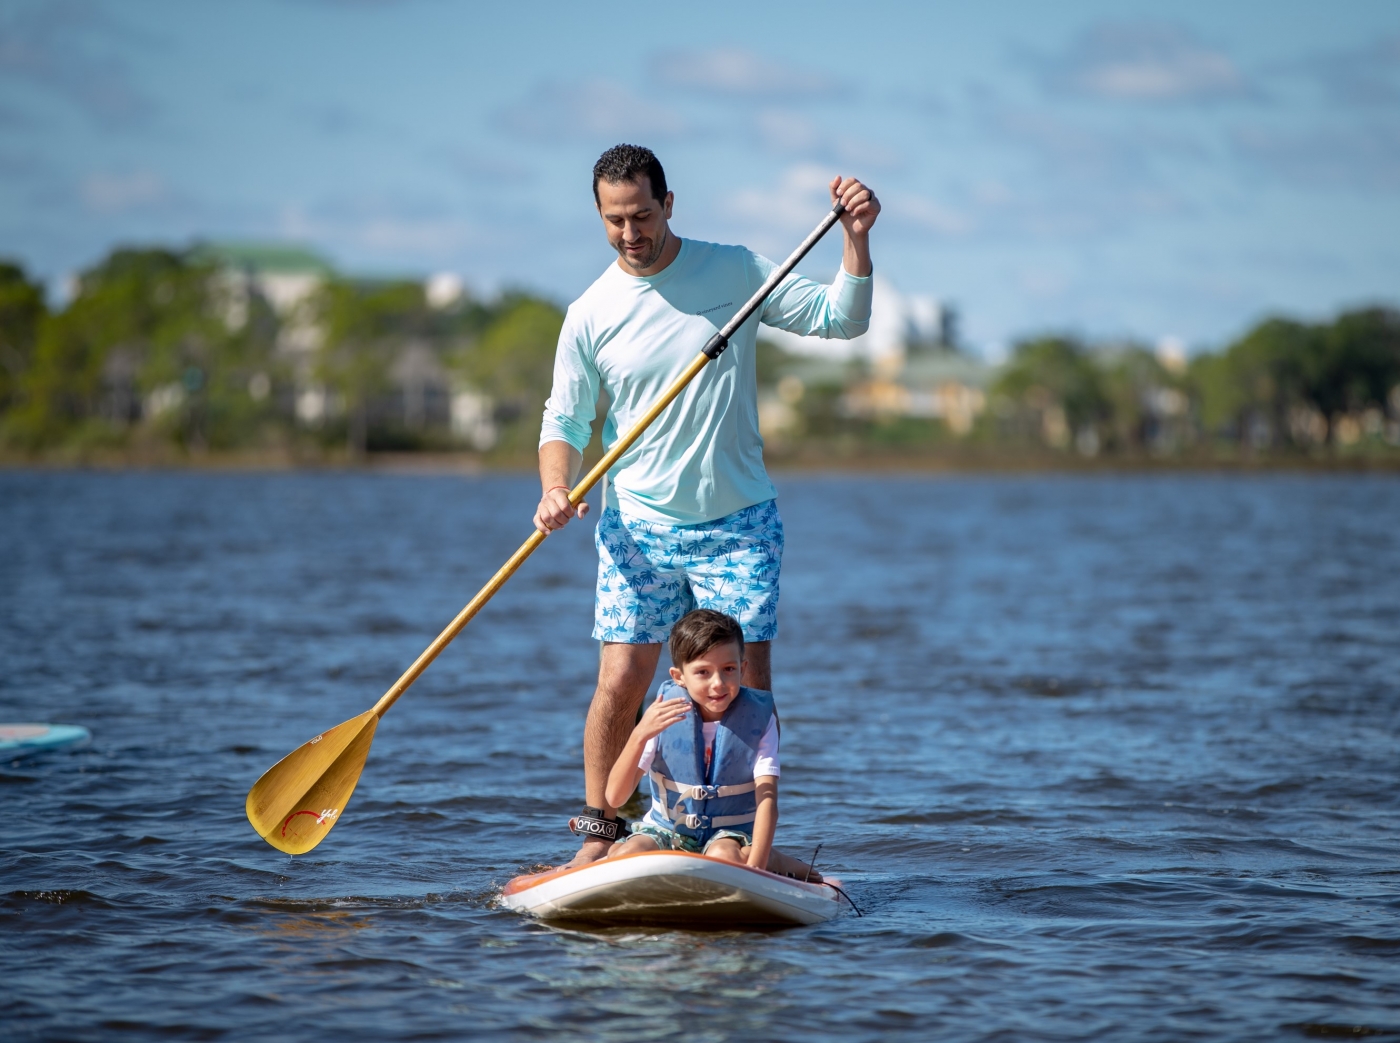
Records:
x=1097, y=758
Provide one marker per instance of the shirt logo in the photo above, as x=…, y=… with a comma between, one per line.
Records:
x=717, y=307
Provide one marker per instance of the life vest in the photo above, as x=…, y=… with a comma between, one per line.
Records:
x=698, y=802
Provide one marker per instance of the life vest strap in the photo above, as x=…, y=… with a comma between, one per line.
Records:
x=714, y=821
x=684, y=792
x=677, y=814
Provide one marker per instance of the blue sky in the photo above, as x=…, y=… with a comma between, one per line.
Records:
x=1105, y=168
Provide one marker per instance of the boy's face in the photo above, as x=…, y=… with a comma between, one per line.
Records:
x=712, y=680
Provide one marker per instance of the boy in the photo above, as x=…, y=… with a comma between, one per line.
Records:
x=711, y=758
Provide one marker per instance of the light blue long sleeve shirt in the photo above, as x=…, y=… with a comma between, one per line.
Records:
x=632, y=336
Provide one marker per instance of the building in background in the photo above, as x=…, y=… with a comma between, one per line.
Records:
x=286, y=278
x=423, y=395
x=908, y=364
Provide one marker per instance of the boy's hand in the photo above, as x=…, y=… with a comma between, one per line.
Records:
x=661, y=715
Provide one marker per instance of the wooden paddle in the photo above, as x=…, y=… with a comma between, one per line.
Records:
x=297, y=801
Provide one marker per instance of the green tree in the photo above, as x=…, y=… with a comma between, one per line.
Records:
x=1246, y=392
x=1055, y=391
x=142, y=320
x=1354, y=362
x=771, y=362
x=1281, y=371
x=513, y=362
x=1148, y=404
x=242, y=369
x=22, y=310
x=364, y=325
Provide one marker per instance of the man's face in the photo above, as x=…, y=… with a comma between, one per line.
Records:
x=712, y=680
x=635, y=221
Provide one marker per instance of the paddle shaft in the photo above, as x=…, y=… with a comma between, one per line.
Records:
x=708, y=354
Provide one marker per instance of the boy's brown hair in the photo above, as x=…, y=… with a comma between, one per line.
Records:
x=701, y=630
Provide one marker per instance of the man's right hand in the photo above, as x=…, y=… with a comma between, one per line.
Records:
x=555, y=510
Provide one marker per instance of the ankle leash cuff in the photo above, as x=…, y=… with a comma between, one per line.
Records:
x=593, y=824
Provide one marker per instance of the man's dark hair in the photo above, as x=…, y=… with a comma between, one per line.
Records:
x=623, y=163
x=701, y=630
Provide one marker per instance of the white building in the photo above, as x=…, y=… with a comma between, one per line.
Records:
x=913, y=367
x=899, y=323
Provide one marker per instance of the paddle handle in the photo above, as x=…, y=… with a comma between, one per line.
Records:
x=709, y=353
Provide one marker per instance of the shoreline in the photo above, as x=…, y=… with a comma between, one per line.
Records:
x=471, y=464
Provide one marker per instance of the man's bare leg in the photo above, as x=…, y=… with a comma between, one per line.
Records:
x=758, y=665
x=624, y=674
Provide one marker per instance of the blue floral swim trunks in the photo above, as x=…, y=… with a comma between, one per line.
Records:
x=651, y=574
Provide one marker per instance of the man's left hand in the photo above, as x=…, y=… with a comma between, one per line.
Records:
x=861, y=205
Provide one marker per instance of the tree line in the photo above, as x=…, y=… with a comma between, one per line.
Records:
x=161, y=347
x=1286, y=387
x=169, y=348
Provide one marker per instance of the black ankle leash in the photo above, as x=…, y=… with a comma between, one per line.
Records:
x=595, y=825
x=813, y=865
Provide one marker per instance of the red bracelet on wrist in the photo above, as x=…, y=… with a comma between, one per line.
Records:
x=552, y=488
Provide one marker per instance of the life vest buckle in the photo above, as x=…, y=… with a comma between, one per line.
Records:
x=701, y=793
x=697, y=821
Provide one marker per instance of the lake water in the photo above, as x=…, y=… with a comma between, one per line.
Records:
x=1099, y=758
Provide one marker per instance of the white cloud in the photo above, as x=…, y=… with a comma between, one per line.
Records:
x=106, y=193
x=375, y=227
x=784, y=131
x=1366, y=75
x=67, y=48
x=789, y=133
x=1042, y=283
x=1064, y=146
x=1144, y=61
x=473, y=166
x=592, y=110
x=796, y=202
x=926, y=214
x=1358, y=157
x=738, y=72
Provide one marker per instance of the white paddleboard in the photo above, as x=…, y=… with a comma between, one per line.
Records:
x=671, y=888
x=20, y=740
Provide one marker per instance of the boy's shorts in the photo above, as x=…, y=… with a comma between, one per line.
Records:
x=649, y=574
x=668, y=840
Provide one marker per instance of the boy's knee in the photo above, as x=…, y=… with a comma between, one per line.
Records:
x=726, y=851
x=634, y=844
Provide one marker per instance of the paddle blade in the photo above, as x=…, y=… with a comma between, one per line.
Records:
x=297, y=801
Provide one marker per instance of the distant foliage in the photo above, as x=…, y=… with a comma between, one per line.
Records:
x=513, y=362
x=22, y=310
x=143, y=338
x=1052, y=389
x=363, y=328
x=1284, y=386
x=1295, y=385
x=163, y=348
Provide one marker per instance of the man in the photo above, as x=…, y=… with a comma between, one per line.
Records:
x=689, y=517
